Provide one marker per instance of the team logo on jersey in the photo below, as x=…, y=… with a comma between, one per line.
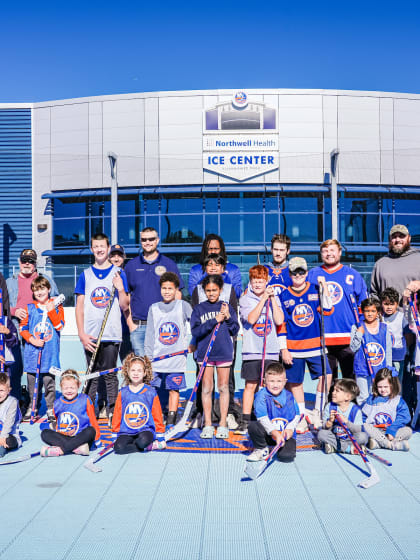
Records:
x=278, y=288
x=302, y=315
x=340, y=432
x=376, y=353
x=168, y=333
x=280, y=423
x=68, y=423
x=136, y=415
x=382, y=419
x=159, y=270
x=335, y=291
x=259, y=326
x=48, y=331
x=100, y=297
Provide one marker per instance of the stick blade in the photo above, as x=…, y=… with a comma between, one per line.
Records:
x=253, y=469
x=370, y=480
x=90, y=466
x=182, y=426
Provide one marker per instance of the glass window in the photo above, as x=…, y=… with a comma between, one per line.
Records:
x=360, y=204
x=211, y=224
x=299, y=203
x=407, y=205
x=413, y=224
x=211, y=202
x=271, y=203
x=182, y=205
x=182, y=229
x=151, y=204
x=271, y=226
x=69, y=208
x=68, y=233
x=128, y=206
x=360, y=227
x=128, y=230
x=301, y=228
x=229, y=203
x=242, y=228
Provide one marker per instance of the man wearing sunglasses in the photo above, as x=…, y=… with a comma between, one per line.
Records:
x=20, y=295
x=143, y=274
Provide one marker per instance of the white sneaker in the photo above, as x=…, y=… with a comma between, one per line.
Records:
x=315, y=418
x=232, y=424
x=302, y=427
x=259, y=454
x=197, y=422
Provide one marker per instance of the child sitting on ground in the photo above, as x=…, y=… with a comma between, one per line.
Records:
x=76, y=427
x=333, y=436
x=277, y=417
x=10, y=417
x=386, y=414
x=137, y=415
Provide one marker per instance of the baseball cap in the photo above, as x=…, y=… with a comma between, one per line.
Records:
x=117, y=249
x=398, y=228
x=29, y=256
x=297, y=262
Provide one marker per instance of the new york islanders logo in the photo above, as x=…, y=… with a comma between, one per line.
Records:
x=382, y=419
x=280, y=423
x=168, y=333
x=259, y=326
x=376, y=353
x=340, y=432
x=48, y=332
x=302, y=315
x=100, y=297
x=136, y=415
x=68, y=423
x=278, y=288
x=335, y=291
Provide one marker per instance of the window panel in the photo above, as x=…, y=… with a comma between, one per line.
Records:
x=69, y=208
x=69, y=233
x=182, y=229
x=242, y=228
x=182, y=205
x=211, y=224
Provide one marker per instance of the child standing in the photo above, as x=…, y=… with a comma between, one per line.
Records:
x=75, y=421
x=277, y=415
x=253, y=305
x=204, y=318
x=386, y=414
x=166, y=333
x=30, y=329
x=397, y=325
x=10, y=417
x=10, y=339
x=372, y=345
x=333, y=436
x=302, y=331
x=138, y=415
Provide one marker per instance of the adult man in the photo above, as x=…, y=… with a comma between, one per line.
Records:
x=143, y=274
x=400, y=267
x=93, y=289
x=214, y=244
x=342, y=282
x=20, y=295
x=278, y=269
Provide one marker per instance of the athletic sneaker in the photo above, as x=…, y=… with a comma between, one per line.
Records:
x=328, y=448
x=259, y=454
x=373, y=444
x=27, y=416
x=102, y=412
x=242, y=428
x=50, y=415
x=82, y=449
x=302, y=427
x=400, y=445
x=51, y=451
x=232, y=424
x=170, y=420
x=156, y=445
x=110, y=420
x=315, y=418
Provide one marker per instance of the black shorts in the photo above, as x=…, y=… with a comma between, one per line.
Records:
x=251, y=369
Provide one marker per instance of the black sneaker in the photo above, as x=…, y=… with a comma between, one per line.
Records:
x=242, y=429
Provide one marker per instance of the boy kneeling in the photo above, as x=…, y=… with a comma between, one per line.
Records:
x=277, y=417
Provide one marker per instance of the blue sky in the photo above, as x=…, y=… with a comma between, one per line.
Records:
x=54, y=50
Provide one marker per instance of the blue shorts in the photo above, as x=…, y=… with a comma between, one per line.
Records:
x=296, y=372
x=170, y=381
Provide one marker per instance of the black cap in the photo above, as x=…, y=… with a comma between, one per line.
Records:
x=117, y=249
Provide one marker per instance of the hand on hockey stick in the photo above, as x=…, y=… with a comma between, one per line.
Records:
x=38, y=342
x=225, y=310
x=4, y=330
x=88, y=341
x=117, y=282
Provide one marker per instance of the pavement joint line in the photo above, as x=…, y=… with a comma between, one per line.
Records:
x=263, y=531
x=203, y=521
x=360, y=494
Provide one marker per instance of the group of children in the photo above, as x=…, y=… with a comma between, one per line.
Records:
x=287, y=323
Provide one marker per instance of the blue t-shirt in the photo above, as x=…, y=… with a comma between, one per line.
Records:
x=99, y=273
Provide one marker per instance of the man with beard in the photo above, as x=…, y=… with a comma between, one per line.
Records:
x=342, y=282
x=400, y=267
x=143, y=274
x=278, y=269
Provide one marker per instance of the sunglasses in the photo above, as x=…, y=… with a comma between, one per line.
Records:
x=298, y=272
x=146, y=239
x=27, y=260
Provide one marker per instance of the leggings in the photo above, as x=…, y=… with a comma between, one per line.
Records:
x=133, y=443
x=379, y=435
x=328, y=436
x=69, y=443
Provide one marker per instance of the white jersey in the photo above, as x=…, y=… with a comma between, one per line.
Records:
x=170, y=337
x=97, y=295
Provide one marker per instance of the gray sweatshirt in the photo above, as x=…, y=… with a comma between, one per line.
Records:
x=395, y=271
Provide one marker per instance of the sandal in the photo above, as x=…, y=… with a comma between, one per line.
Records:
x=222, y=432
x=207, y=432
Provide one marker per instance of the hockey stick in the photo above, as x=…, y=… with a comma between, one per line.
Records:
x=57, y=301
x=254, y=469
x=417, y=323
x=374, y=477
x=166, y=356
x=182, y=425
x=91, y=462
x=363, y=343
x=59, y=372
x=20, y=459
x=267, y=310
x=2, y=349
x=98, y=340
x=323, y=349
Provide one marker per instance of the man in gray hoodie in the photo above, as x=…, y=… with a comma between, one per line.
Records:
x=399, y=267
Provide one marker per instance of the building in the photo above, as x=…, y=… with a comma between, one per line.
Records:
x=244, y=164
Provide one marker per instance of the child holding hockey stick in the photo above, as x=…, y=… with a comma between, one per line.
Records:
x=204, y=318
x=259, y=334
x=10, y=417
x=398, y=325
x=49, y=342
x=372, y=344
x=137, y=415
x=386, y=414
x=75, y=421
x=277, y=415
x=166, y=334
x=332, y=435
